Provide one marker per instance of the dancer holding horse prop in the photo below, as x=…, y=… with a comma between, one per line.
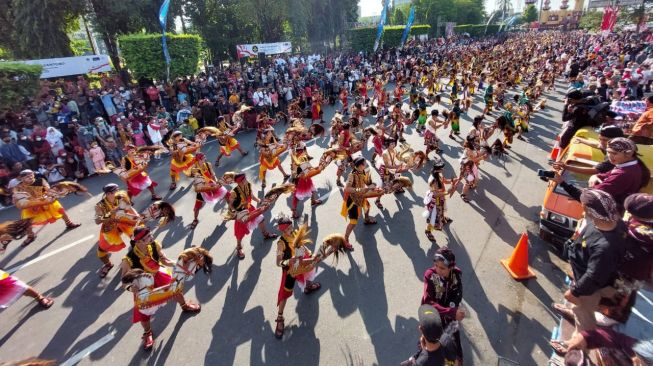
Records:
x=298, y=263
x=144, y=268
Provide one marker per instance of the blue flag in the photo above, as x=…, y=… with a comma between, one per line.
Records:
x=379, y=30
x=163, y=17
x=409, y=24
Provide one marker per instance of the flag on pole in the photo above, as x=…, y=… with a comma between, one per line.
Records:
x=379, y=30
x=163, y=17
x=409, y=24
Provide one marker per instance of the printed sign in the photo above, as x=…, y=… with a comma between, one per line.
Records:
x=252, y=50
x=66, y=66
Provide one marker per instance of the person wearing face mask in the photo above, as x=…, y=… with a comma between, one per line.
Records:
x=443, y=289
x=594, y=251
x=12, y=152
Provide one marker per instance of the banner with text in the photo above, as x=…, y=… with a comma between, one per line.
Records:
x=66, y=66
x=252, y=50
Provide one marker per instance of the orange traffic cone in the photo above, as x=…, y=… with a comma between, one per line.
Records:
x=555, y=152
x=517, y=264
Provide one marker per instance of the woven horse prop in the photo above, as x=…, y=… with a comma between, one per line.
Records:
x=302, y=263
x=149, y=299
x=13, y=230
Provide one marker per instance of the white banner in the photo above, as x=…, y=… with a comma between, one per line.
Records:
x=594, y=4
x=66, y=66
x=252, y=50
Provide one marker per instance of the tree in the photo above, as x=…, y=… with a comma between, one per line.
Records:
x=457, y=11
x=398, y=17
x=530, y=13
x=591, y=20
x=37, y=28
x=18, y=82
x=144, y=56
x=112, y=18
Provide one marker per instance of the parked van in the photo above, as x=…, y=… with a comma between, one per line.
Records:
x=560, y=213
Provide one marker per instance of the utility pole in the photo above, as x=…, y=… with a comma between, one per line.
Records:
x=91, y=40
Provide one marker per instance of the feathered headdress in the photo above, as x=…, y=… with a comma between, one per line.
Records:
x=301, y=237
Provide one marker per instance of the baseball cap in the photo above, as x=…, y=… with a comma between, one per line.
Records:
x=430, y=323
x=611, y=132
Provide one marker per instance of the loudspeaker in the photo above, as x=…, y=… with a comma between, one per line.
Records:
x=262, y=59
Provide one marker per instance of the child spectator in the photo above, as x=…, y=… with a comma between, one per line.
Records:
x=97, y=155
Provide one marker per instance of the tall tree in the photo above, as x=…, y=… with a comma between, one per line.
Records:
x=530, y=13
x=38, y=27
x=111, y=18
x=398, y=17
x=222, y=24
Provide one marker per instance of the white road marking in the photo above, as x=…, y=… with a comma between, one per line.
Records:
x=322, y=197
x=48, y=255
x=90, y=349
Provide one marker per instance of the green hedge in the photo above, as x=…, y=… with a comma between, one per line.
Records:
x=362, y=39
x=143, y=54
x=476, y=30
x=18, y=82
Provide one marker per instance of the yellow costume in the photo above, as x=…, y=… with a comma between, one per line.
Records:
x=31, y=199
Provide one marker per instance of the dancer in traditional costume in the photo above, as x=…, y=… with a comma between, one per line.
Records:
x=33, y=197
x=11, y=289
x=269, y=160
x=430, y=135
x=207, y=187
x=316, y=108
x=182, y=157
x=347, y=145
x=145, y=256
x=507, y=125
x=488, y=97
x=291, y=248
x=227, y=141
x=454, y=118
x=359, y=184
x=116, y=217
x=302, y=171
x=434, y=201
x=390, y=167
x=133, y=173
x=247, y=216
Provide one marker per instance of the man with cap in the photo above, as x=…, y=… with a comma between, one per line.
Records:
x=576, y=114
x=116, y=216
x=32, y=197
x=436, y=348
x=359, y=184
x=247, y=216
x=606, y=134
x=286, y=250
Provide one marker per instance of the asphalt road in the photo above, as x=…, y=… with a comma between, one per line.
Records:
x=365, y=313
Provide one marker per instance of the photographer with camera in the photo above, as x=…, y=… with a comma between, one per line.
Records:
x=628, y=176
x=582, y=109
